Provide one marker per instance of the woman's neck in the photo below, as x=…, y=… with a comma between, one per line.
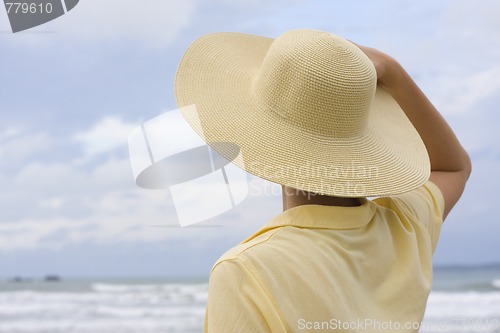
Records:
x=293, y=197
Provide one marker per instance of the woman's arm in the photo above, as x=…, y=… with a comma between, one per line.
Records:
x=450, y=163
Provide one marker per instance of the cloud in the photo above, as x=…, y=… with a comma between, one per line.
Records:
x=133, y=215
x=457, y=64
x=458, y=91
x=472, y=19
x=155, y=23
x=57, y=203
x=53, y=205
x=150, y=23
x=9, y=133
x=18, y=146
x=107, y=134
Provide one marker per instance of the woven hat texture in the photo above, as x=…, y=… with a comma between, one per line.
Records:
x=305, y=111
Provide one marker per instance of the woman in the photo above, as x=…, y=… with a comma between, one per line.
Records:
x=334, y=123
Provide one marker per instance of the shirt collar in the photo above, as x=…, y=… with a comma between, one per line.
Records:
x=323, y=217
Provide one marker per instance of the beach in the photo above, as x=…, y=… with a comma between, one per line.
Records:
x=463, y=299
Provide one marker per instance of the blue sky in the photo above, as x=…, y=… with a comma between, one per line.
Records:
x=73, y=89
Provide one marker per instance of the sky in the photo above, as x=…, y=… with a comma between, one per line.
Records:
x=73, y=89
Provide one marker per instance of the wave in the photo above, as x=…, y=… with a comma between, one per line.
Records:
x=463, y=304
x=124, y=325
x=119, y=288
x=115, y=287
x=176, y=307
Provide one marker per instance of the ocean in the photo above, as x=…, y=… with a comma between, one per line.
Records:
x=462, y=300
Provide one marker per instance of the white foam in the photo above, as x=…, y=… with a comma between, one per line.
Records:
x=149, y=312
x=180, y=308
x=123, y=308
x=120, y=288
x=123, y=325
x=463, y=304
x=142, y=288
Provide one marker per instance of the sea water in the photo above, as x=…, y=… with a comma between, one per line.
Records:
x=103, y=305
x=462, y=300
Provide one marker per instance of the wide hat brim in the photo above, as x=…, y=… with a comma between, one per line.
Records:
x=213, y=88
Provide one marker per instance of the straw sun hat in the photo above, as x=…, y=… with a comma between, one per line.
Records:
x=304, y=110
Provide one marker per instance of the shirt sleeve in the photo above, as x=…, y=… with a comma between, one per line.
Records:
x=238, y=303
x=425, y=205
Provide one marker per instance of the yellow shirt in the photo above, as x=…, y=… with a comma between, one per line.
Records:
x=319, y=268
